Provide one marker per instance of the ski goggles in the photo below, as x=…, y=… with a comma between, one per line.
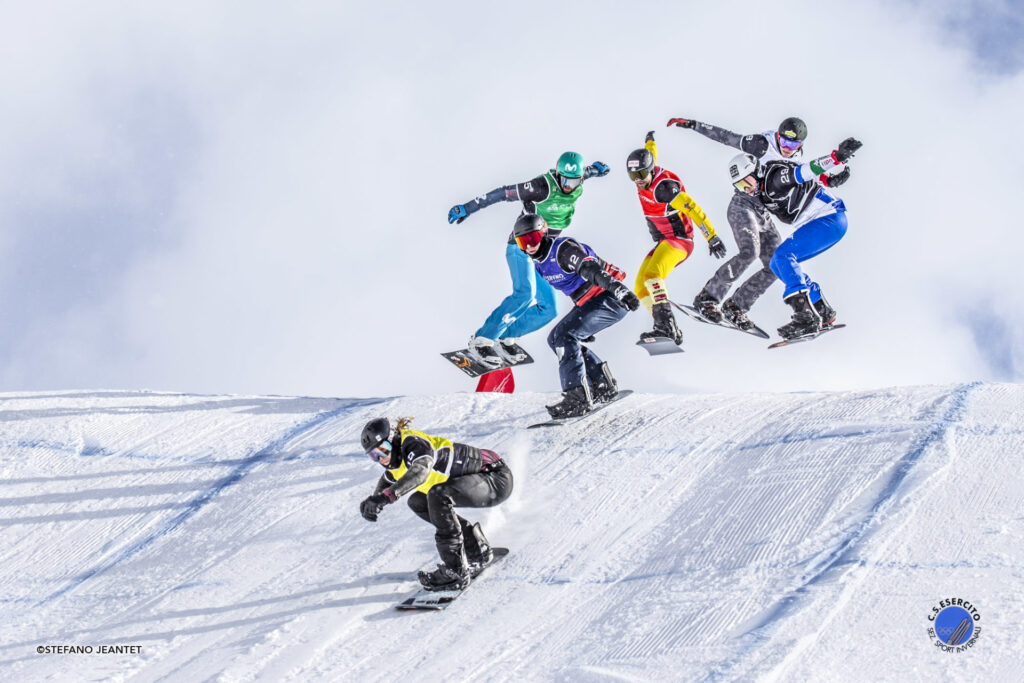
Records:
x=530, y=239
x=791, y=145
x=639, y=174
x=381, y=450
x=569, y=183
x=743, y=184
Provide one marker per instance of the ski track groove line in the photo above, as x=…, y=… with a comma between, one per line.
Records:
x=197, y=504
x=761, y=633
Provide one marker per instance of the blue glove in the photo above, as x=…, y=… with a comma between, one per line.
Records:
x=599, y=168
x=458, y=213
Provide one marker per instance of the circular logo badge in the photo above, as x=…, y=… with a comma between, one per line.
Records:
x=954, y=627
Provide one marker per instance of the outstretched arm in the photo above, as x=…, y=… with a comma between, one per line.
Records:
x=528, y=192
x=685, y=204
x=751, y=144
x=824, y=168
x=650, y=145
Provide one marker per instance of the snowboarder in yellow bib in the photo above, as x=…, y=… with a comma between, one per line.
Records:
x=438, y=475
x=671, y=214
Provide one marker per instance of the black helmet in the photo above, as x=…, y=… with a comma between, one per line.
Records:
x=529, y=223
x=793, y=129
x=376, y=431
x=639, y=163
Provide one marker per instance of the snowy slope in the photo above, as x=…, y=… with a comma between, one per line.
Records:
x=707, y=537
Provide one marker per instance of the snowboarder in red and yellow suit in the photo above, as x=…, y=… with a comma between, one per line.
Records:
x=671, y=214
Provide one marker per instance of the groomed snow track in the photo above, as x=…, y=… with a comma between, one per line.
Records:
x=701, y=537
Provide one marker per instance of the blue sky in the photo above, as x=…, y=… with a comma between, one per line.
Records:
x=240, y=199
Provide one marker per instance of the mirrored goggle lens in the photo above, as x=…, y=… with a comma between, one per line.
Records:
x=789, y=144
x=571, y=183
x=639, y=175
x=530, y=239
x=381, y=451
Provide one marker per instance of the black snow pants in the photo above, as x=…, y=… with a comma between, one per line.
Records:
x=484, y=489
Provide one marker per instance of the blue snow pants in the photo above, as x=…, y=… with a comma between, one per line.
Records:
x=529, y=307
x=807, y=242
x=575, y=360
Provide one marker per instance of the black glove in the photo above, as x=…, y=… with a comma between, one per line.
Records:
x=650, y=136
x=838, y=179
x=716, y=247
x=681, y=123
x=626, y=297
x=598, y=169
x=847, y=148
x=372, y=506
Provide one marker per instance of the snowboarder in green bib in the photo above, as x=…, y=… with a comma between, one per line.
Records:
x=531, y=306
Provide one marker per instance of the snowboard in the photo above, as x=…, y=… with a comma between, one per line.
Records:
x=806, y=337
x=465, y=361
x=695, y=314
x=597, y=408
x=659, y=346
x=438, y=600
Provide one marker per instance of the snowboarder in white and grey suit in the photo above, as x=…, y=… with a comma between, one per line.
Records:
x=752, y=227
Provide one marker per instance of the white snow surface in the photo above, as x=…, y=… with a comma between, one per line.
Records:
x=791, y=537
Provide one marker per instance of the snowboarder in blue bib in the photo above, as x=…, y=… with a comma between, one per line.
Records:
x=600, y=299
x=531, y=305
x=795, y=194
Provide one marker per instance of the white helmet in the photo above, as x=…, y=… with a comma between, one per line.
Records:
x=741, y=166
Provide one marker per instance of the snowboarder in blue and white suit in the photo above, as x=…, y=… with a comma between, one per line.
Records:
x=795, y=194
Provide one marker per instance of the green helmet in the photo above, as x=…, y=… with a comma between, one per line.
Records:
x=570, y=165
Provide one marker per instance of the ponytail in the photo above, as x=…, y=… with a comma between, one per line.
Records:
x=403, y=423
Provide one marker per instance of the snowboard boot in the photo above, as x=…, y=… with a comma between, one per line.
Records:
x=575, y=402
x=454, y=574
x=444, y=578
x=509, y=351
x=483, y=350
x=806, y=320
x=827, y=313
x=605, y=388
x=478, y=550
x=665, y=323
x=735, y=315
x=707, y=306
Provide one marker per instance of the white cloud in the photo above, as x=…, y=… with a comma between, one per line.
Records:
x=251, y=200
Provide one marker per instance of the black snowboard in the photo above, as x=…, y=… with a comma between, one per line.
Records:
x=438, y=600
x=659, y=346
x=468, y=363
x=806, y=337
x=695, y=314
x=597, y=408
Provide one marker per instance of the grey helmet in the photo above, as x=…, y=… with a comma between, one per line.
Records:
x=741, y=166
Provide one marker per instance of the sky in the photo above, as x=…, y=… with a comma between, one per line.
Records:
x=237, y=199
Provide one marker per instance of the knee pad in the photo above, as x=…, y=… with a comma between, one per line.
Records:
x=656, y=287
